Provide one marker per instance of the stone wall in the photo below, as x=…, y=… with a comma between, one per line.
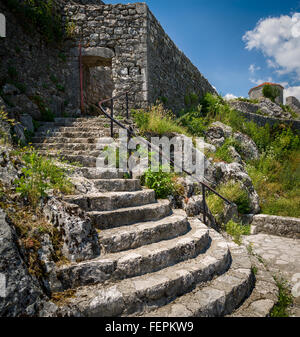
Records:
x=263, y=120
x=276, y=225
x=39, y=70
x=294, y=104
x=170, y=73
x=124, y=48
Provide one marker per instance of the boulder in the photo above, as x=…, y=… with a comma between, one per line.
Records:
x=248, y=148
x=217, y=133
x=236, y=172
x=26, y=121
x=26, y=106
x=80, y=239
x=20, y=294
x=19, y=132
x=271, y=109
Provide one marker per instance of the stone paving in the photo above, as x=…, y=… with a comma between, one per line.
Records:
x=282, y=256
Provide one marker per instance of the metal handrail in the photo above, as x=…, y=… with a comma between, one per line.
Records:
x=157, y=149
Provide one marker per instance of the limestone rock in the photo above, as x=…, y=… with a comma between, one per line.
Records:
x=26, y=106
x=236, y=172
x=9, y=89
x=20, y=294
x=26, y=121
x=248, y=147
x=217, y=133
x=79, y=236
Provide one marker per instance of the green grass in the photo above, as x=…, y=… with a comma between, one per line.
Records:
x=233, y=192
x=157, y=121
x=285, y=299
x=237, y=231
x=39, y=175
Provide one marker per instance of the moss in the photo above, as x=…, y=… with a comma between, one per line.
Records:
x=62, y=298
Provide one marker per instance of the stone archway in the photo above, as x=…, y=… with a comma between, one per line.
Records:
x=98, y=81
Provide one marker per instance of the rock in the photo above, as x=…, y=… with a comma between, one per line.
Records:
x=26, y=106
x=26, y=121
x=80, y=240
x=20, y=294
x=236, y=172
x=9, y=89
x=265, y=106
x=248, y=148
x=271, y=109
x=2, y=103
x=19, y=132
x=194, y=207
x=8, y=173
x=45, y=254
x=235, y=155
x=217, y=133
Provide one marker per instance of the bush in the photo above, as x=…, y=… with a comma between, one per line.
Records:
x=157, y=121
x=194, y=122
x=39, y=175
x=163, y=183
x=233, y=192
x=237, y=231
x=271, y=92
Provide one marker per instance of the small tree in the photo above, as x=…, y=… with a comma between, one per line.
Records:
x=271, y=92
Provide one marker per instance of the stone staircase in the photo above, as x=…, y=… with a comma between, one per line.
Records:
x=154, y=260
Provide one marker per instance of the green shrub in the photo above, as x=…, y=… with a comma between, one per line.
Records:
x=285, y=299
x=39, y=175
x=194, y=122
x=157, y=121
x=233, y=192
x=161, y=182
x=271, y=92
x=237, y=231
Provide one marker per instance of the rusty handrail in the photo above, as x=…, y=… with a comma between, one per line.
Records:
x=158, y=150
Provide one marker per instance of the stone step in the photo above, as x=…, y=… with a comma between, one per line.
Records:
x=130, y=215
x=117, y=185
x=78, y=122
x=80, y=153
x=136, y=295
x=97, y=173
x=134, y=236
x=219, y=297
x=61, y=140
x=76, y=134
x=71, y=129
x=69, y=146
x=137, y=262
x=110, y=201
x=83, y=160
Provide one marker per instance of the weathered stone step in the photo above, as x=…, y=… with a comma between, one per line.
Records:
x=130, y=215
x=218, y=298
x=97, y=173
x=80, y=153
x=137, y=262
x=69, y=146
x=83, y=134
x=110, y=201
x=86, y=161
x=134, y=236
x=61, y=140
x=71, y=129
x=117, y=185
x=136, y=295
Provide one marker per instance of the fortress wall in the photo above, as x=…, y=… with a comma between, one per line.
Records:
x=171, y=73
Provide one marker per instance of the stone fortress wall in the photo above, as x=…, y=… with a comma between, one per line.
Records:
x=294, y=104
x=123, y=47
x=257, y=92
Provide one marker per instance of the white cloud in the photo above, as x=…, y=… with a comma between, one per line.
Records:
x=229, y=97
x=292, y=91
x=253, y=68
x=279, y=39
x=260, y=81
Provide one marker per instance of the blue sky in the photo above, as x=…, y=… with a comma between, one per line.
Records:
x=211, y=34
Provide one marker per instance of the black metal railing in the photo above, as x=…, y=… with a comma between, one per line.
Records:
x=131, y=134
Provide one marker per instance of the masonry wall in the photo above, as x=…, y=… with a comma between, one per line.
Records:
x=258, y=93
x=171, y=73
x=122, y=29
x=41, y=71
